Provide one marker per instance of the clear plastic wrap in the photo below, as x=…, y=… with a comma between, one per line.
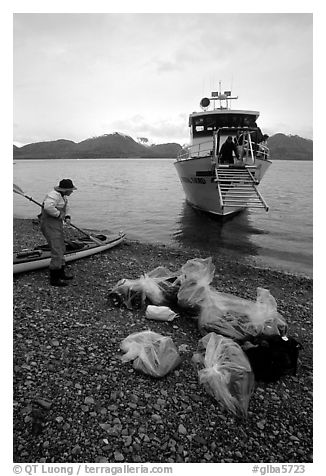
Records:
x=159, y=286
x=225, y=372
x=190, y=289
x=225, y=313
x=152, y=353
x=195, y=277
x=239, y=318
x=198, y=269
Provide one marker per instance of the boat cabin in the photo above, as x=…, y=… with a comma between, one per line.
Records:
x=209, y=129
x=204, y=124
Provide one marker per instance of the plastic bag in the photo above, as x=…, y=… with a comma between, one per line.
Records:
x=199, y=270
x=225, y=313
x=239, y=318
x=264, y=315
x=159, y=286
x=225, y=372
x=214, y=317
x=160, y=272
x=191, y=295
x=196, y=275
x=160, y=313
x=168, y=283
x=152, y=353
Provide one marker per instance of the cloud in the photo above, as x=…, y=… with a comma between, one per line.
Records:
x=167, y=66
x=77, y=75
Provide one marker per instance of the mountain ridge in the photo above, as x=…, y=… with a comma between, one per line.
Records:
x=117, y=145
x=290, y=147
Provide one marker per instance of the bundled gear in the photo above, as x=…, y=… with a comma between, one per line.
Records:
x=272, y=357
x=157, y=287
x=225, y=372
x=239, y=318
x=152, y=353
x=195, y=276
x=225, y=313
x=243, y=340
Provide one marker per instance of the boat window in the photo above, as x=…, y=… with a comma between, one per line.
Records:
x=198, y=121
x=210, y=123
x=207, y=124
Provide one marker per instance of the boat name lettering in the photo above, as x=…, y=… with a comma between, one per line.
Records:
x=205, y=173
x=193, y=180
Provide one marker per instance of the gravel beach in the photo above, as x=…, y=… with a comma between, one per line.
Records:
x=75, y=401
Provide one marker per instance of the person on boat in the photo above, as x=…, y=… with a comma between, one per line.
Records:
x=262, y=147
x=55, y=211
x=256, y=137
x=226, y=151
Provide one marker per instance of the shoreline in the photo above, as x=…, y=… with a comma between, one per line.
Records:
x=254, y=262
x=66, y=350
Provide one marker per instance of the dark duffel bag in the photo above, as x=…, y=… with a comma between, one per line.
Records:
x=271, y=357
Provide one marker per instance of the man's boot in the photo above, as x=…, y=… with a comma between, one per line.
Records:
x=55, y=278
x=63, y=274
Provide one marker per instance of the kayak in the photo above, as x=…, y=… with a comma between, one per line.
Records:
x=40, y=256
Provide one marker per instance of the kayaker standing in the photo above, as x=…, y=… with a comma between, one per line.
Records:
x=55, y=211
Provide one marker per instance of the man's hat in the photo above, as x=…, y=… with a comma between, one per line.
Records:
x=65, y=185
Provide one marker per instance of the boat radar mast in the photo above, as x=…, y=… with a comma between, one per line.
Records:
x=224, y=99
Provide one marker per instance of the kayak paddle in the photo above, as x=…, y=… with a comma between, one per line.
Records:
x=99, y=242
x=18, y=190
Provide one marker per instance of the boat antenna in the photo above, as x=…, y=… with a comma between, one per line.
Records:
x=220, y=92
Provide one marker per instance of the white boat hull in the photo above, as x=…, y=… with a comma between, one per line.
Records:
x=200, y=187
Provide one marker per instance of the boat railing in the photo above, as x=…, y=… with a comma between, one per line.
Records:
x=255, y=151
x=196, y=150
x=263, y=152
x=248, y=148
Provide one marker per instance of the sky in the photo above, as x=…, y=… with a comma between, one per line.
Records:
x=80, y=75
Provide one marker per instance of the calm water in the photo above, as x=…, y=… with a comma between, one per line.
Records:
x=145, y=198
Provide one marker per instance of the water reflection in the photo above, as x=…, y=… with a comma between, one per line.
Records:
x=202, y=231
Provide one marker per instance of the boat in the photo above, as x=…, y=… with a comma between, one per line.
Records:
x=214, y=187
x=40, y=256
